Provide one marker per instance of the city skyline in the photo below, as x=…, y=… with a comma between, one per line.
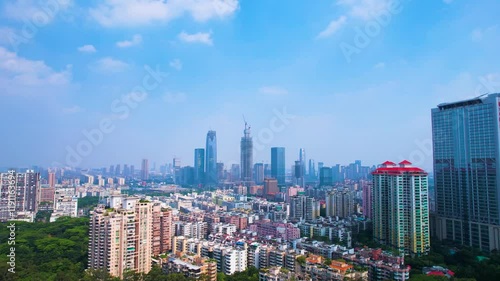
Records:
x=73, y=86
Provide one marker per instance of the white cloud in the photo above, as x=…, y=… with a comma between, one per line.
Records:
x=200, y=37
x=379, y=65
x=333, y=27
x=141, y=12
x=176, y=64
x=109, y=64
x=273, y=90
x=72, y=110
x=366, y=9
x=26, y=72
x=479, y=34
x=41, y=12
x=87, y=49
x=19, y=74
x=136, y=40
x=174, y=98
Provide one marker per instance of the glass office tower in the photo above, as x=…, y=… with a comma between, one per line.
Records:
x=466, y=153
x=211, y=159
x=278, y=164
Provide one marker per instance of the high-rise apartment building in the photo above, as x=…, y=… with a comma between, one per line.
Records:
x=466, y=174
x=400, y=208
x=19, y=195
x=52, y=179
x=340, y=203
x=199, y=165
x=246, y=155
x=211, y=159
x=303, y=208
x=145, y=169
x=278, y=164
x=121, y=237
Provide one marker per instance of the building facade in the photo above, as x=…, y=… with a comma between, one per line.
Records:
x=401, y=208
x=340, y=203
x=211, y=159
x=278, y=164
x=467, y=180
x=145, y=169
x=199, y=165
x=120, y=237
x=19, y=195
x=246, y=155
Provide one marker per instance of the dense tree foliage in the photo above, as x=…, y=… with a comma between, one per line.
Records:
x=46, y=251
x=250, y=274
x=88, y=202
x=464, y=261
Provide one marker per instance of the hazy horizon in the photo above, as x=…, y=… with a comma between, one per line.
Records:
x=346, y=80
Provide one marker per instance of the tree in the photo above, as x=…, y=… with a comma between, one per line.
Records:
x=156, y=274
x=301, y=260
x=99, y=275
x=221, y=276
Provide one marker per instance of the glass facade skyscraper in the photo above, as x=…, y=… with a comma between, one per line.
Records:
x=211, y=159
x=278, y=164
x=199, y=165
x=467, y=183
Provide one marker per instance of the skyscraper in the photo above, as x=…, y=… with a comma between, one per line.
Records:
x=258, y=169
x=19, y=195
x=400, y=208
x=220, y=172
x=312, y=171
x=278, y=164
x=298, y=173
x=246, y=155
x=235, y=172
x=325, y=176
x=145, y=169
x=302, y=159
x=466, y=175
x=303, y=167
x=211, y=159
x=199, y=165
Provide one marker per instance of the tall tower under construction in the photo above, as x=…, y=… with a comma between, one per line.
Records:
x=246, y=155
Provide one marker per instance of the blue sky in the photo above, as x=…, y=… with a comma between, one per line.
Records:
x=66, y=65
